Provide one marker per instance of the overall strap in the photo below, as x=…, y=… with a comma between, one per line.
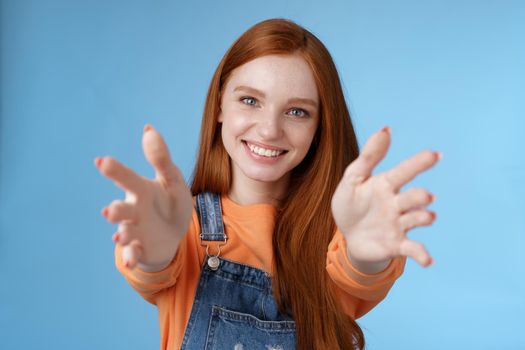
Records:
x=210, y=217
x=212, y=226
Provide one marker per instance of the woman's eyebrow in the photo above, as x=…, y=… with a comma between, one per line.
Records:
x=306, y=101
x=259, y=93
x=250, y=90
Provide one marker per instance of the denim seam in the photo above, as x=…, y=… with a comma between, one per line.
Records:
x=282, y=326
x=240, y=281
x=259, y=271
x=263, y=301
x=195, y=309
x=211, y=330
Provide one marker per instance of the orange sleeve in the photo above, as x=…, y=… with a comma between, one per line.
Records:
x=149, y=284
x=358, y=292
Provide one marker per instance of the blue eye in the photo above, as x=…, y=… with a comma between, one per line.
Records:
x=300, y=112
x=249, y=101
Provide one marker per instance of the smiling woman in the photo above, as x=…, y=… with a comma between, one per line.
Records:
x=288, y=238
x=271, y=135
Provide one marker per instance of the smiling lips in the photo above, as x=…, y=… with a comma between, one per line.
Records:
x=266, y=151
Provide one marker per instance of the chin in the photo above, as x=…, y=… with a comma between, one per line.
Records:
x=263, y=176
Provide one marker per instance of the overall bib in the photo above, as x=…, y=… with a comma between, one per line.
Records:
x=234, y=307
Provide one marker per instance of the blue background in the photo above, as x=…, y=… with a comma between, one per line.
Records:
x=79, y=79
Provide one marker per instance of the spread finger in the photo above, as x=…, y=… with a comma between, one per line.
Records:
x=416, y=251
x=410, y=168
x=126, y=233
x=373, y=152
x=413, y=198
x=122, y=176
x=120, y=210
x=416, y=218
x=131, y=253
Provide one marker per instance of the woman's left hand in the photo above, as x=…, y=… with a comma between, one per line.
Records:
x=373, y=215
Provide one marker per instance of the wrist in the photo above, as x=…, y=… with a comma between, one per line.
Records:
x=153, y=268
x=367, y=267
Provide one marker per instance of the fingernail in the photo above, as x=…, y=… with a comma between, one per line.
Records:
x=105, y=212
x=98, y=161
x=433, y=215
x=386, y=129
x=116, y=237
x=126, y=264
x=147, y=127
x=430, y=263
x=439, y=155
x=432, y=198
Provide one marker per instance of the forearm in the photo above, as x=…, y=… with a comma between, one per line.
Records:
x=156, y=267
x=160, y=257
x=359, y=292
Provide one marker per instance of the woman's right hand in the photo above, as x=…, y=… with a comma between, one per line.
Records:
x=155, y=214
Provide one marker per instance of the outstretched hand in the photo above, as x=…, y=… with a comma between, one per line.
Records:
x=373, y=215
x=155, y=214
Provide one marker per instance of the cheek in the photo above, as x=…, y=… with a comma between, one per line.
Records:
x=302, y=136
x=236, y=123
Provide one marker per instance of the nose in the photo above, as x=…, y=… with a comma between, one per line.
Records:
x=270, y=127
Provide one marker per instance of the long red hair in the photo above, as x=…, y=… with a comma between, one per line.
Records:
x=304, y=225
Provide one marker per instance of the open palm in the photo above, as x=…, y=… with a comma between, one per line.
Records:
x=155, y=214
x=372, y=213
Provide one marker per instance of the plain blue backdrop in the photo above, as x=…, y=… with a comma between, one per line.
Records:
x=79, y=79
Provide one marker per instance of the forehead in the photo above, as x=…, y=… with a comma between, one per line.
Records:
x=278, y=75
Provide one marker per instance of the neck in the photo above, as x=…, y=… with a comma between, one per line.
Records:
x=245, y=191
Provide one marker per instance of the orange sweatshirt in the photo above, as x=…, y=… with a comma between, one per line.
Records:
x=249, y=229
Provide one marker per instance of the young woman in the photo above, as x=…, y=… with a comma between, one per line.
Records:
x=286, y=237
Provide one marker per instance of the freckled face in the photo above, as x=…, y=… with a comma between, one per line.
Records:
x=269, y=115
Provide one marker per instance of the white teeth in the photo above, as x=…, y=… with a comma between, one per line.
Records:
x=264, y=152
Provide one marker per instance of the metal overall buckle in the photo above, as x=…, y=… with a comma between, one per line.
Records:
x=213, y=260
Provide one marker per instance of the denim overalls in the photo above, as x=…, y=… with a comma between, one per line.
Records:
x=234, y=307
